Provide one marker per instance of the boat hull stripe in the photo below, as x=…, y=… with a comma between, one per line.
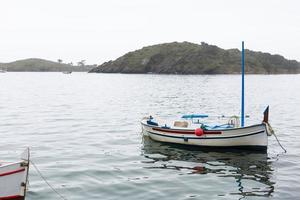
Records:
x=12, y=172
x=207, y=138
x=185, y=132
x=15, y=197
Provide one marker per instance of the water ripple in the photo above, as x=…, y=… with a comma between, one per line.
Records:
x=84, y=134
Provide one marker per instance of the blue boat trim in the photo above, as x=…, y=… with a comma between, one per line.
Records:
x=152, y=123
x=206, y=138
x=192, y=116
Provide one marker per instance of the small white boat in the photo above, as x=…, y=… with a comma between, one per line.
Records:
x=230, y=134
x=67, y=72
x=2, y=71
x=14, y=178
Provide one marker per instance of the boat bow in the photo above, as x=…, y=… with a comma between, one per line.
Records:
x=14, y=178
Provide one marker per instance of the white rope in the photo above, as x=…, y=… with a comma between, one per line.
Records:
x=45, y=180
x=279, y=143
x=270, y=132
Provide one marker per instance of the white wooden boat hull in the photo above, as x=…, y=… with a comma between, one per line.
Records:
x=13, y=180
x=247, y=137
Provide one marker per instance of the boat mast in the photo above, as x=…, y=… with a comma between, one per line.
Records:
x=243, y=86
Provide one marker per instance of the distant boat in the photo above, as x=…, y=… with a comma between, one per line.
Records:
x=14, y=178
x=192, y=130
x=67, y=72
x=2, y=71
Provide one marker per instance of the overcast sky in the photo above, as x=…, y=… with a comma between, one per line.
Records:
x=102, y=30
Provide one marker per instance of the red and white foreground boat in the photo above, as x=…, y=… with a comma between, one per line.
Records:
x=14, y=178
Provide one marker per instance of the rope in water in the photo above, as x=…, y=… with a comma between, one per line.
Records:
x=270, y=131
x=45, y=180
x=279, y=143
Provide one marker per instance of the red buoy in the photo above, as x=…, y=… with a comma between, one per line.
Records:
x=199, y=131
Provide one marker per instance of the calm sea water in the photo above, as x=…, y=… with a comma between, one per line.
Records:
x=85, y=137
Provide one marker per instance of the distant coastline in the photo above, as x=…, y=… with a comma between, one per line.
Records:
x=190, y=58
x=41, y=65
x=169, y=58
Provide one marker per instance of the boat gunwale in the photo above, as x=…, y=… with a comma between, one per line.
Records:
x=13, y=163
x=221, y=130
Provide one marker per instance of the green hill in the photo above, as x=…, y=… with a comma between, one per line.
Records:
x=40, y=65
x=190, y=58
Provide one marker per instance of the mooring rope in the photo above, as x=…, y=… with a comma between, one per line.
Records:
x=279, y=143
x=45, y=180
x=270, y=132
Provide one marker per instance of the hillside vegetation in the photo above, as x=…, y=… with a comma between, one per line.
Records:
x=190, y=58
x=40, y=65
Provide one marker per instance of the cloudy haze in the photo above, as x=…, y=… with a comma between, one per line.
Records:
x=98, y=31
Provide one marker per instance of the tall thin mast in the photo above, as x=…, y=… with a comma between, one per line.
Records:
x=243, y=86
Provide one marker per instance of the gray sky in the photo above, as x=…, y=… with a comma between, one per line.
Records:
x=102, y=30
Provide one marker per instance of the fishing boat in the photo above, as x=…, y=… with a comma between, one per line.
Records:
x=14, y=178
x=67, y=72
x=192, y=130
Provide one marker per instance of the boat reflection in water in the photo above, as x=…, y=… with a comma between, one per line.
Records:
x=251, y=171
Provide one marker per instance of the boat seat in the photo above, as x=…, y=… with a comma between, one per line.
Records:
x=182, y=124
x=216, y=127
